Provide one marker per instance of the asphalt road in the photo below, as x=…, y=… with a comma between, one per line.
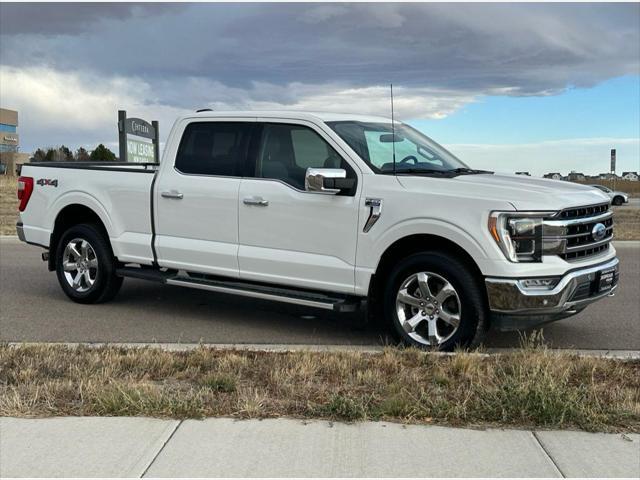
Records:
x=33, y=308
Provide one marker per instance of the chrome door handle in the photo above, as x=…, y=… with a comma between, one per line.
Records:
x=258, y=201
x=172, y=194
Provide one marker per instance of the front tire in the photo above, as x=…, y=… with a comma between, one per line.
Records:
x=432, y=300
x=618, y=201
x=85, y=265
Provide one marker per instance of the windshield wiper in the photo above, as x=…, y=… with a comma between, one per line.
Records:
x=454, y=172
x=468, y=171
x=425, y=171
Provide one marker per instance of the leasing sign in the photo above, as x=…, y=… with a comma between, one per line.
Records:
x=140, y=151
x=138, y=139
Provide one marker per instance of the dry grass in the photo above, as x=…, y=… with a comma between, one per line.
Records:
x=627, y=223
x=8, y=204
x=530, y=388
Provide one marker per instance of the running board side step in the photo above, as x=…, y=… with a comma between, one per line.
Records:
x=248, y=289
x=268, y=293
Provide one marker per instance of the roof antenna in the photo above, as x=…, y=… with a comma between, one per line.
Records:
x=393, y=133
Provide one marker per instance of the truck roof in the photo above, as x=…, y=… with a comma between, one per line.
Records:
x=292, y=114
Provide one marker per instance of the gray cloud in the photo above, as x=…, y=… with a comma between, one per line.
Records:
x=523, y=49
x=70, y=18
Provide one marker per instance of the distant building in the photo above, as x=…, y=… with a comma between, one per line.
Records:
x=607, y=176
x=10, y=155
x=576, y=177
x=554, y=176
x=632, y=176
x=523, y=173
x=9, y=141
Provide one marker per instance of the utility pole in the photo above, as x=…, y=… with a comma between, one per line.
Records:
x=613, y=166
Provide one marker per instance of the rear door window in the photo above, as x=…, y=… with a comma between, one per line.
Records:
x=214, y=148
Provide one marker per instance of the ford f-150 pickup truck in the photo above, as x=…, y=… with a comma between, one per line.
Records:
x=329, y=211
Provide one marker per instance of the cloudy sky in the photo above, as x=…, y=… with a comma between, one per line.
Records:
x=538, y=87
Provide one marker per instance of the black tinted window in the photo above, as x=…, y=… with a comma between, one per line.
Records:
x=213, y=148
x=286, y=151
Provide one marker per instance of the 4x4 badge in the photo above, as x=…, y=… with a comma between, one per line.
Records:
x=48, y=181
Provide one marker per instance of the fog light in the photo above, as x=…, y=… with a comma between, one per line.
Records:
x=539, y=283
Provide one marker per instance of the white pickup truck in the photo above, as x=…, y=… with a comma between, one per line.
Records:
x=328, y=211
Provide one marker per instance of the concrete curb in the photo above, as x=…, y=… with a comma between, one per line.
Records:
x=224, y=447
x=253, y=347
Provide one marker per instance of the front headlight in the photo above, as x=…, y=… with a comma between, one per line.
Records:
x=519, y=235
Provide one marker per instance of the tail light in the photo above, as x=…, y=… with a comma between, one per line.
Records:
x=25, y=188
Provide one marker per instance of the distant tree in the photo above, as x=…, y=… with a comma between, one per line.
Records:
x=82, y=155
x=102, y=154
x=38, y=156
x=51, y=155
x=65, y=154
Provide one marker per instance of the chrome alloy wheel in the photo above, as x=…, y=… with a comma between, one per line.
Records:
x=80, y=265
x=428, y=308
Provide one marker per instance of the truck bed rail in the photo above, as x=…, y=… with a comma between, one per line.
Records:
x=110, y=166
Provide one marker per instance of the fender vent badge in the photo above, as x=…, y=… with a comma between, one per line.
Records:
x=375, y=210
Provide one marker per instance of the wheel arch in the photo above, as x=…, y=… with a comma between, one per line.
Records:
x=417, y=243
x=68, y=216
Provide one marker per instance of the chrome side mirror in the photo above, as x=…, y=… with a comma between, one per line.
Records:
x=327, y=180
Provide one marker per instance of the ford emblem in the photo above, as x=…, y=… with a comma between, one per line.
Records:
x=598, y=232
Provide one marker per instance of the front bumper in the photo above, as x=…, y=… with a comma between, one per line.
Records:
x=514, y=306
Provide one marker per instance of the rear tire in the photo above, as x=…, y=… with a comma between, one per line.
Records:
x=85, y=265
x=432, y=300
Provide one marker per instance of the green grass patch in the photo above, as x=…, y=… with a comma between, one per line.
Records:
x=219, y=383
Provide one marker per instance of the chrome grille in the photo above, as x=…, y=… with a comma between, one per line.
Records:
x=586, y=252
x=583, y=212
x=569, y=234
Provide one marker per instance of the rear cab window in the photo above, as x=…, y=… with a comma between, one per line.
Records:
x=214, y=148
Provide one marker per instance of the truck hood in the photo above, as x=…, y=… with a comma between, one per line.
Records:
x=524, y=193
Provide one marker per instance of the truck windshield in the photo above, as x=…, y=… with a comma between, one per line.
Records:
x=415, y=152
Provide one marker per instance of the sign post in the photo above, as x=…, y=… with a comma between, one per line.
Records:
x=138, y=139
x=613, y=160
x=156, y=144
x=613, y=166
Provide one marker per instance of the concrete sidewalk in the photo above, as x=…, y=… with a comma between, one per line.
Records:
x=222, y=447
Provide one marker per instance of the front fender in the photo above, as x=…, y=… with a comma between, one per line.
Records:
x=429, y=226
x=373, y=245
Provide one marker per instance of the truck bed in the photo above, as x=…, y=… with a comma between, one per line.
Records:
x=119, y=193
